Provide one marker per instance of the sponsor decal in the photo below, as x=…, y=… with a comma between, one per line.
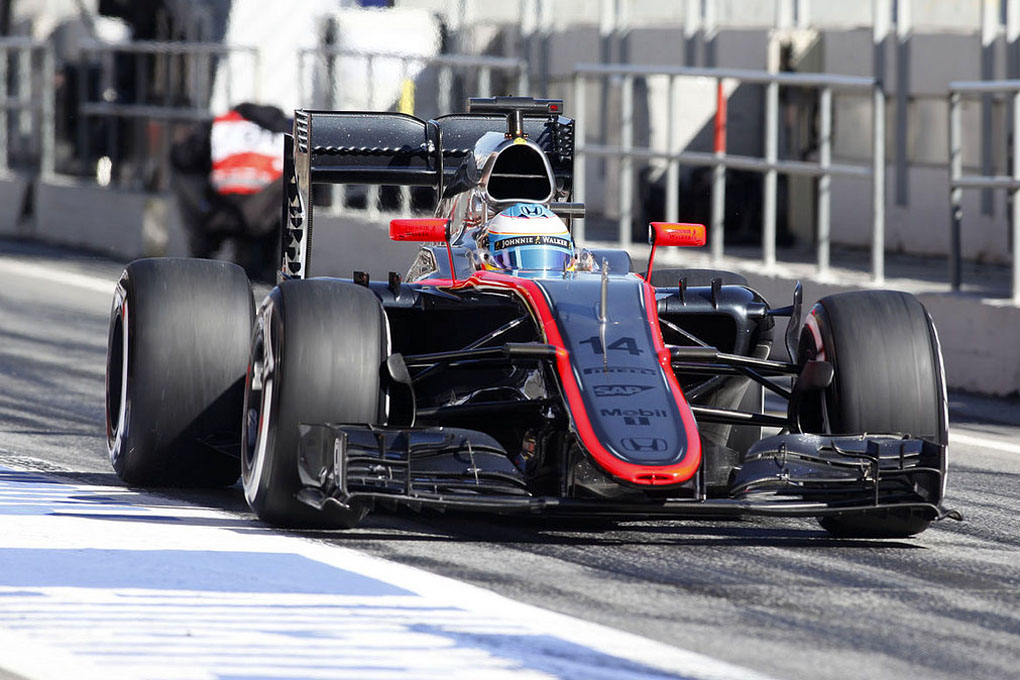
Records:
x=644, y=444
x=634, y=412
x=528, y=210
x=622, y=370
x=620, y=390
x=536, y=240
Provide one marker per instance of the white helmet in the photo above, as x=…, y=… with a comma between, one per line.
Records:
x=528, y=236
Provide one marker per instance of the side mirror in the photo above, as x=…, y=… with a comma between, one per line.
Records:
x=673, y=234
x=432, y=229
x=425, y=229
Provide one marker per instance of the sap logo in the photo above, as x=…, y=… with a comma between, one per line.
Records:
x=634, y=412
x=644, y=444
x=620, y=370
x=620, y=390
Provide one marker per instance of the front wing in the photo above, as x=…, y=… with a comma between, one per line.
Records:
x=792, y=475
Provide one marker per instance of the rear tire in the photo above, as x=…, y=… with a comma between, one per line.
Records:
x=175, y=367
x=316, y=354
x=888, y=378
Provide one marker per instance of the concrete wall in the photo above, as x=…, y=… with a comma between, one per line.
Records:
x=12, y=200
x=118, y=222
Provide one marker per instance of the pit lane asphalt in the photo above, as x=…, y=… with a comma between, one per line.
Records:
x=776, y=596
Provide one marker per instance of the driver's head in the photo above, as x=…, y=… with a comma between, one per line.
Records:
x=528, y=236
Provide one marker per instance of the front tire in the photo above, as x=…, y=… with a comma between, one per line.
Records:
x=176, y=358
x=316, y=354
x=888, y=378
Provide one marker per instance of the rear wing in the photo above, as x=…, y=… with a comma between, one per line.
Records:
x=353, y=147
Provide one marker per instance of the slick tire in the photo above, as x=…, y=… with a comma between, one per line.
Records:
x=670, y=277
x=888, y=378
x=316, y=354
x=176, y=359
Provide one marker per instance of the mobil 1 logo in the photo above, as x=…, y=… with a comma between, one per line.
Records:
x=634, y=416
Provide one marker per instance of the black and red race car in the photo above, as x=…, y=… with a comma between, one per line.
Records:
x=510, y=371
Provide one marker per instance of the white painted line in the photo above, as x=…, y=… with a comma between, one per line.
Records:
x=138, y=589
x=957, y=437
x=48, y=273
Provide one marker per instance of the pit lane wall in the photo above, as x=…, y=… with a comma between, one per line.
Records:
x=980, y=337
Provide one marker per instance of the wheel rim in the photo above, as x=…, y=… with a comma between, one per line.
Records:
x=259, y=389
x=116, y=376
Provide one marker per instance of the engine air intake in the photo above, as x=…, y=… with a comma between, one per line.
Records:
x=520, y=173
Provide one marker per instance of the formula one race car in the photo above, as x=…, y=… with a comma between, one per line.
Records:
x=511, y=371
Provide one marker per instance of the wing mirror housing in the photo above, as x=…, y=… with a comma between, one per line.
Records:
x=673, y=234
x=426, y=230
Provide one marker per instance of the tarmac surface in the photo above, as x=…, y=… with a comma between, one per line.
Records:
x=775, y=596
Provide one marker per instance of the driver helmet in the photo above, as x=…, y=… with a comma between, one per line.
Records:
x=528, y=236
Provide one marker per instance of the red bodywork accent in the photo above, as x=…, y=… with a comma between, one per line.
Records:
x=643, y=475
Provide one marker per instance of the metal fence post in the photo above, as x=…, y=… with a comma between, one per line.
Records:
x=768, y=236
x=445, y=94
x=4, y=151
x=717, y=232
x=955, y=191
x=48, y=119
x=824, y=180
x=1016, y=198
x=82, y=118
x=484, y=80
x=372, y=196
x=577, y=224
x=673, y=164
x=25, y=90
x=627, y=160
x=878, y=186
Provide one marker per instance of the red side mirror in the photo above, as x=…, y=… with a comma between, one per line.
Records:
x=420, y=229
x=673, y=234
x=676, y=234
x=429, y=229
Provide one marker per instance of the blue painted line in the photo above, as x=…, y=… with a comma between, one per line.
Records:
x=204, y=570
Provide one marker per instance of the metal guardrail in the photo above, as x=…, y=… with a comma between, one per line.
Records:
x=479, y=70
x=447, y=64
x=33, y=106
x=958, y=181
x=172, y=83
x=769, y=165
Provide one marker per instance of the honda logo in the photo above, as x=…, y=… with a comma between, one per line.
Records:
x=644, y=444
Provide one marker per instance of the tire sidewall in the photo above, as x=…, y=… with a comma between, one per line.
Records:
x=118, y=376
